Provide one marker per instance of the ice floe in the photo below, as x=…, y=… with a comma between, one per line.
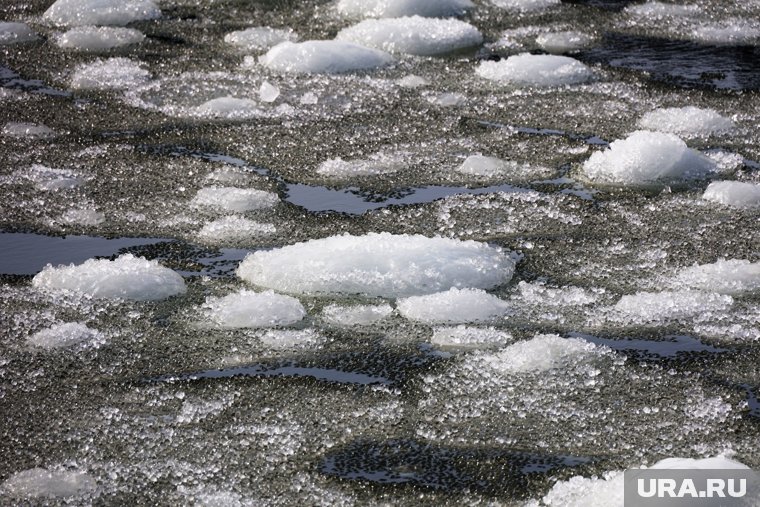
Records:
x=454, y=306
x=356, y=315
x=413, y=35
x=127, y=277
x=111, y=74
x=101, y=12
x=47, y=178
x=234, y=199
x=525, y=5
x=541, y=353
x=646, y=157
x=66, y=335
x=725, y=276
x=376, y=164
x=23, y=129
x=234, y=229
x=536, y=70
x=733, y=193
x=39, y=482
x=646, y=307
x=250, y=309
x=686, y=121
x=98, y=38
x=11, y=33
x=492, y=167
x=259, y=38
x=88, y=217
x=323, y=57
x=468, y=337
x=379, y=264
x=563, y=42
x=401, y=8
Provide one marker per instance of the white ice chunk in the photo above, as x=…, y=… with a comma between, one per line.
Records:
x=490, y=167
x=563, y=42
x=127, y=277
x=234, y=229
x=525, y=5
x=111, y=74
x=98, y=38
x=467, y=337
x=539, y=294
x=536, y=70
x=659, y=306
x=685, y=121
x=229, y=175
x=401, y=8
x=454, y=306
x=254, y=309
x=646, y=157
x=230, y=107
x=447, y=99
x=357, y=315
x=733, y=193
x=378, y=264
x=83, y=216
x=660, y=10
x=101, y=12
x=46, y=178
x=290, y=338
x=413, y=35
x=733, y=31
x=38, y=482
x=11, y=33
x=375, y=164
x=32, y=130
x=323, y=57
x=259, y=38
x=731, y=276
x=234, y=199
x=412, y=81
x=268, y=92
x=541, y=353
x=66, y=335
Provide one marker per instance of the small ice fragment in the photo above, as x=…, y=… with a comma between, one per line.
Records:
x=563, y=42
x=413, y=35
x=290, y=338
x=447, y=99
x=323, y=57
x=234, y=229
x=375, y=164
x=66, y=335
x=646, y=157
x=412, y=81
x=259, y=38
x=249, y=309
x=38, y=482
x=83, y=216
x=127, y=277
x=541, y=353
x=466, y=337
x=659, y=10
x=234, y=199
x=111, y=74
x=32, y=130
x=401, y=8
x=731, y=276
x=454, y=305
x=685, y=121
x=355, y=315
x=381, y=264
x=733, y=193
x=98, y=38
x=481, y=165
x=46, y=178
x=11, y=33
x=101, y=12
x=536, y=70
x=230, y=107
x=268, y=92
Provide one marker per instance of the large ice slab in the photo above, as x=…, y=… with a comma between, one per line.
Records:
x=98, y=38
x=127, y=277
x=111, y=74
x=259, y=38
x=101, y=12
x=323, y=57
x=646, y=157
x=536, y=70
x=39, y=482
x=378, y=264
x=254, y=309
x=400, y=8
x=234, y=199
x=413, y=35
x=725, y=276
x=733, y=193
x=685, y=121
x=453, y=306
x=11, y=33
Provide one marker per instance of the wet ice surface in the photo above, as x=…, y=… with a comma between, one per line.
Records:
x=393, y=369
